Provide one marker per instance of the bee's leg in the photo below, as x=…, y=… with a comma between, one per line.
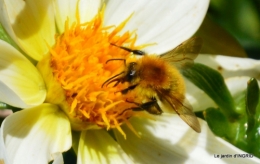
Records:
x=133, y=108
x=124, y=91
x=137, y=52
x=113, y=79
x=151, y=107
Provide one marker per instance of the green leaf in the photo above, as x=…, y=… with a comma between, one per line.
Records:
x=217, y=41
x=252, y=97
x=3, y=106
x=254, y=142
x=242, y=131
x=212, y=83
x=252, y=100
x=240, y=102
x=217, y=122
x=232, y=131
x=225, y=128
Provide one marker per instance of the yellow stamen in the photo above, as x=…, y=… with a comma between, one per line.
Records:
x=118, y=127
x=132, y=128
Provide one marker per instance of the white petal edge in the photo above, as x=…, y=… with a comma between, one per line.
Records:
x=97, y=146
x=3, y=154
x=166, y=23
x=170, y=140
x=21, y=84
x=67, y=9
x=30, y=24
x=231, y=66
x=238, y=84
x=58, y=159
x=36, y=135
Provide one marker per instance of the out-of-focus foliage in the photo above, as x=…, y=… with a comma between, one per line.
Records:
x=236, y=118
x=241, y=18
x=217, y=40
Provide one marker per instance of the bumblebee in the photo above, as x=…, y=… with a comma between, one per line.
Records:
x=158, y=79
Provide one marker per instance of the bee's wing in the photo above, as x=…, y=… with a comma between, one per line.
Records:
x=183, y=55
x=183, y=109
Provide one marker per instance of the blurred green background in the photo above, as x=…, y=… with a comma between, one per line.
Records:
x=232, y=27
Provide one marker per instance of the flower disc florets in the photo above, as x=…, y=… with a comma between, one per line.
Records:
x=78, y=64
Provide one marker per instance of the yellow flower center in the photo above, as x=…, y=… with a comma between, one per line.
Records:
x=78, y=63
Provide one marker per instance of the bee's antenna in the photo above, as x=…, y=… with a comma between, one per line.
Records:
x=112, y=79
x=125, y=111
x=136, y=52
x=114, y=59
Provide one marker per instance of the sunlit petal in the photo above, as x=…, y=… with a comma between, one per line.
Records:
x=238, y=84
x=67, y=9
x=58, y=159
x=96, y=146
x=3, y=155
x=166, y=23
x=231, y=66
x=21, y=84
x=35, y=135
x=170, y=140
x=30, y=23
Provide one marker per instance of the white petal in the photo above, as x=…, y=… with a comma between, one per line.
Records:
x=58, y=159
x=30, y=23
x=166, y=23
x=36, y=135
x=21, y=84
x=97, y=146
x=236, y=85
x=67, y=9
x=231, y=66
x=170, y=140
x=3, y=154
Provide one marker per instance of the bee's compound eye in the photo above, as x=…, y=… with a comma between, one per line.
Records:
x=131, y=71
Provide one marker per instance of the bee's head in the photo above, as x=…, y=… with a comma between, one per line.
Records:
x=129, y=74
x=131, y=66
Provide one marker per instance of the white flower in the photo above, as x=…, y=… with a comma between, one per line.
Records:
x=40, y=132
